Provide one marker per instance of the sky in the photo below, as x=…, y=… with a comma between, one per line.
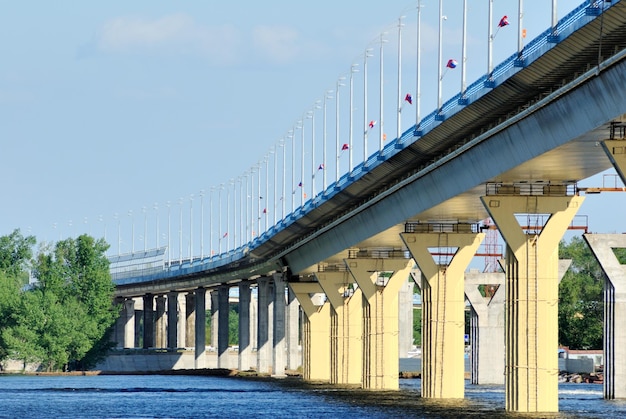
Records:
x=111, y=110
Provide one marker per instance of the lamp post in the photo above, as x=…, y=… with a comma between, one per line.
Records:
x=169, y=233
x=381, y=132
x=145, y=229
x=201, y=224
x=399, y=118
x=156, y=213
x=132, y=231
x=191, y=229
x=219, y=221
x=439, y=57
x=365, y=123
x=323, y=166
x=418, y=86
x=180, y=233
x=337, y=142
x=119, y=233
x=353, y=70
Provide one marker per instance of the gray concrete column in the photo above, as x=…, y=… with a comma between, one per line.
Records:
x=182, y=320
x=245, y=347
x=279, y=360
x=254, y=320
x=200, y=322
x=264, y=347
x=405, y=318
x=487, y=326
x=294, y=355
x=129, y=326
x=190, y=320
x=222, y=326
x=120, y=323
x=159, y=323
x=214, y=307
x=148, y=321
x=172, y=320
x=602, y=246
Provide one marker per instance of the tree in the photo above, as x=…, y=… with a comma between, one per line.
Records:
x=581, y=306
x=64, y=320
x=16, y=254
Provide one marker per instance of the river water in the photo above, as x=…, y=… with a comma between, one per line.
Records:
x=159, y=396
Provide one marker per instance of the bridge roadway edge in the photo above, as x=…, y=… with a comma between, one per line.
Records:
x=578, y=111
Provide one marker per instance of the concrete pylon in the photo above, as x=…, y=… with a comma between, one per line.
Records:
x=148, y=321
x=486, y=327
x=443, y=310
x=346, y=347
x=315, y=331
x=129, y=324
x=380, y=280
x=279, y=356
x=294, y=354
x=160, y=328
x=200, y=328
x=223, y=310
x=190, y=320
x=245, y=344
x=602, y=246
x=616, y=152
x=264, y=337
x=172, y=320
x=487, y=324
x=531, y=342
x=405, y=318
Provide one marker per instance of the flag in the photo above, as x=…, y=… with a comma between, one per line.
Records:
x=372, y=123
x=452, y=63
x=409, y=98
x=300, y=184
x=225, y=235
x=503, y=22
x=321, y=167
x=344, y=147
x=264, y=210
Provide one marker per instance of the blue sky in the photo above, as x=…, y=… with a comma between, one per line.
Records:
x=117, y=106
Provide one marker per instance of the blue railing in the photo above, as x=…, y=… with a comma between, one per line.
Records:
x=533, y=50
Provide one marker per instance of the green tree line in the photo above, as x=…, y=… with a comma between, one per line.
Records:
x=62, y=319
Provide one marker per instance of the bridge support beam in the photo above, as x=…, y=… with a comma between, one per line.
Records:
x=159, y=323
x=172, y=320
x=148, y=321
x=531, y=366
x=602, y=246
x=294, y=356
x=244, y=360
x=200, y=330
x=264, y=336
x=278, y=336
x=222, y=326
x=346, y=348
x=443, y=310
x=190, y=320
x=616, y=152
x=380, y=280
x=128, y=317
x=315, y=331
x=486, y=326
x=405, y=313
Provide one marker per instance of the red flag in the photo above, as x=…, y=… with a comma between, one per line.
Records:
x=225, y=235
x=321, y=167
x=409, y=98
x=264, y=210
x=452, y=63
x=372, y=123
x=503, y=22
x=344, y=147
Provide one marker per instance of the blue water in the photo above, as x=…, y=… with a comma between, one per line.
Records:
x=154, y=396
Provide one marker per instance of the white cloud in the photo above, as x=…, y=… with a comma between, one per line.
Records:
x=276, y=43
x=177, y=33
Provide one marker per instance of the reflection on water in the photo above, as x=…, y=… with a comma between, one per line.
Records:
x=206, y=397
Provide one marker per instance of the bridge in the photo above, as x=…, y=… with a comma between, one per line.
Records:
x=510, y=146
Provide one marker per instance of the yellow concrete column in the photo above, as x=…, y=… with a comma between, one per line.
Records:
x=443, y=310
x=531, y=335
x=380, y=280
x=346, y=326
x=315, y=333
